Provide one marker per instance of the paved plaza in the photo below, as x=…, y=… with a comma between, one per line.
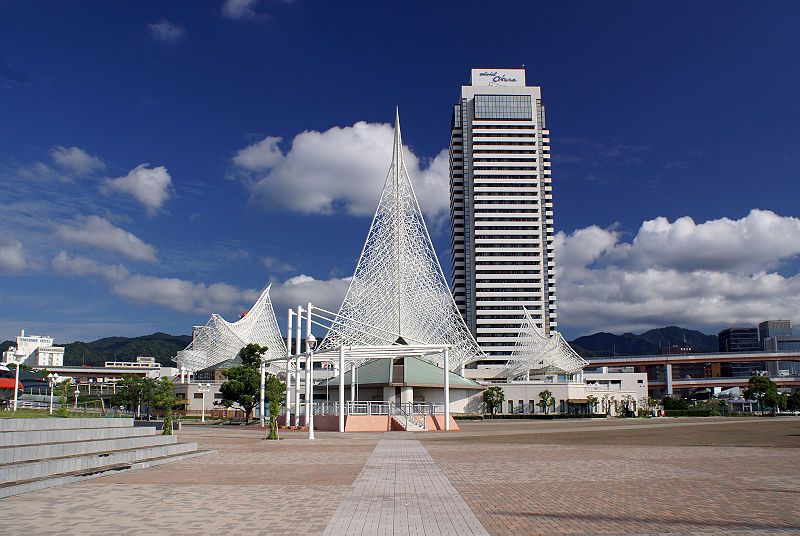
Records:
x=654, y=476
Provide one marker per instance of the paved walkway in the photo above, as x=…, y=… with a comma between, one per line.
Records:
x=402, y=491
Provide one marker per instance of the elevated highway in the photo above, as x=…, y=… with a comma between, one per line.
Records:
x=670, y=383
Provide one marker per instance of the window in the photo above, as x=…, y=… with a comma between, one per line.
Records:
x=198, y=395
x=503, y=107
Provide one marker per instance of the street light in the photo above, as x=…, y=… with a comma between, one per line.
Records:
x=203, y=388
x=263, y=379
x=52, y=379
x=311, y=343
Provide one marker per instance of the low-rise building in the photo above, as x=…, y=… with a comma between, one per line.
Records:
x=34, y=350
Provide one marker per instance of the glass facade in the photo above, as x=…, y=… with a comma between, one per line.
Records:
x=503, y=107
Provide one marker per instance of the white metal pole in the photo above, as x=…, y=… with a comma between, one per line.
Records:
x=341, y=388
x=352, y=382
x=203, y=410
x=261, y=400
x=309, y=374
x=289, y=368
x=446, y=389
x=298, y=350
x=309, y=394
x=16, y=387
x=52, y=385
x=288, y=421
x=297, y=390
x=310, y=404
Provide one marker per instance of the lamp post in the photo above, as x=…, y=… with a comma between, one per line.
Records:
x=16, y=385
x=261, y=399
x=77, y=392
x=311, y=342
x=203, y=388
x=52, y=379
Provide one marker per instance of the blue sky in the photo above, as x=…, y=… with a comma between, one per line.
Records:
x=156, y=158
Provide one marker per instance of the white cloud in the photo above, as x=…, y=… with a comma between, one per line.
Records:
x=67, y=164
x=82, y=267
x=98, y=232
x=75, y=161
x=341, y=170
x=166, y=31
x=274, y=264
x=149, y=186
x=240, y=9
x=302, y=289
x=701, y=275
x=12, y=256
x=174, y=293
x=261, y=155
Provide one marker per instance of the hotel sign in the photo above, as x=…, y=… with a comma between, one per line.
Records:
x=498, y=77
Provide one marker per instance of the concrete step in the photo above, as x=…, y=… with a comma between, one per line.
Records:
x=46, y=451
x=30, y=425
x=31, y=470
x=36, y=437
x=15, y=488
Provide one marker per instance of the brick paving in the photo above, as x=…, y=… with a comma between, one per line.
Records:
x=401, y=491
x=566, y=479
x=678, y=476
x=248, y=486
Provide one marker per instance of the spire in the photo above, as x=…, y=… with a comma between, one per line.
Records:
x=398, y=291
x=397, y=147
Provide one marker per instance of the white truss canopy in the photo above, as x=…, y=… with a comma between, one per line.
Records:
x=220, y=340
x=398, y=290
x=536, y=351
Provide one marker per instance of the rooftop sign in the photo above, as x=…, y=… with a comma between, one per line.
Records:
x=498, y=77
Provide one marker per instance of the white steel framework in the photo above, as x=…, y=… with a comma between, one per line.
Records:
x=398, y=287
x=535, y=351
x=220, y=340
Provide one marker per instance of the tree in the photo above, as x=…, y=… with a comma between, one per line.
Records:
x=493, y=397
x=763, y=390
x=133, y=392
x=242, y=384
x=546, y=400
x=592, y=403
x=64, y=390
x=793, y=403
x=164, y=398
x=275, y=392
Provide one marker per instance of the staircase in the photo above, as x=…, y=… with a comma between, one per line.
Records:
x=40, y=453
x=406, y=420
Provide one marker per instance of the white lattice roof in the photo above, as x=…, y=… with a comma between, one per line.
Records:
x=220, y=340
x=535, y=351
x=399, y=289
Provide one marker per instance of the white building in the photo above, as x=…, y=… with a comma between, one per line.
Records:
x=501, y=209
x=585, y=392
x=35, y=350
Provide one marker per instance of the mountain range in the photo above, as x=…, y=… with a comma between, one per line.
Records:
x=648, y=343
x=163, y=346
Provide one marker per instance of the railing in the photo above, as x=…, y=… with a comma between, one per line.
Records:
x=375, y=408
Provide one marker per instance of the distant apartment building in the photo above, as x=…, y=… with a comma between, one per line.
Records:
x=34, y=350
x=501, y=209
x=738, y=340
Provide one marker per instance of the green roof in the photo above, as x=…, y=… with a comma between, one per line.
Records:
x=416, y=373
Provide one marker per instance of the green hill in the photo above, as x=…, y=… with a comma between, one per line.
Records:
x=162, y=346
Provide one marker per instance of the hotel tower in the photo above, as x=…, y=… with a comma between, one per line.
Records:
x=501, y=209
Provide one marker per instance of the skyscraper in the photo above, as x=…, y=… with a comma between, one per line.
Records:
x=501, y=215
